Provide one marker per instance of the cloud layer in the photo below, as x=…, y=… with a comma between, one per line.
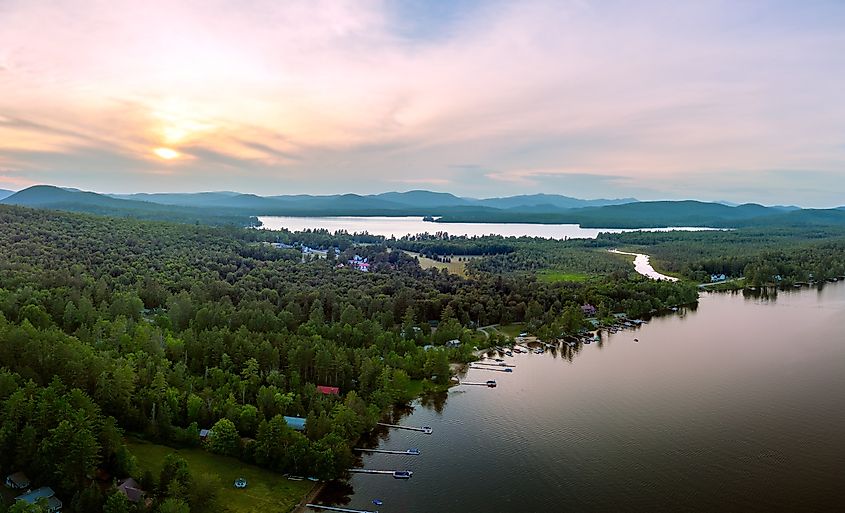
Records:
x=712, y=100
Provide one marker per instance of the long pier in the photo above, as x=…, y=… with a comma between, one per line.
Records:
x=333, y=508
x=368, y=471
x=406, y=452
x=496, y=364
x=479, y=383
x=491, y=369
x=425, y=429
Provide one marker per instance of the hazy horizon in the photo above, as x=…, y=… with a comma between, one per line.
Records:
x=658, y=100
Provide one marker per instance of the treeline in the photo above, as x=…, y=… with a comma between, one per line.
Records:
x=162, y=330
x=443, y=244
x=780, y=255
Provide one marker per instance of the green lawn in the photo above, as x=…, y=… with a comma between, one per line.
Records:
x=554, y=276
x=512, y=330
x=267, y=492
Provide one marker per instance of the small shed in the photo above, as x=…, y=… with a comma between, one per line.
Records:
x=17, y=481
x=295, y=423
x=205, y=433
x=325, y=390
x=453, y=343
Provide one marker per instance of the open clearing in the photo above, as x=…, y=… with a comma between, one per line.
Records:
x=456, y=266
x=267, y=492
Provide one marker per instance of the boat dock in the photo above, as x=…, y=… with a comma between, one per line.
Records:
x=407, y=452
x=491, y=369
x=368, y=471
x=490, y=383
x=495, y=364
x=425, y=429
x=333, y=508
x=397, y=474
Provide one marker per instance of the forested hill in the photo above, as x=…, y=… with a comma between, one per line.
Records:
x=224, y=208
x=118, y=325
x=56, y=198
x=661, y=214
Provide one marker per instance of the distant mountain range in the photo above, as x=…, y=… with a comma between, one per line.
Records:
x=237, y=208
x=73, y=200
x=5, y=194
x=418, y=201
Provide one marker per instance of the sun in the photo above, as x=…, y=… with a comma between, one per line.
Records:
x=167, y=153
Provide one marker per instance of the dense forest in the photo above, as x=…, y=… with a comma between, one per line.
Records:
x=117, y=327
x=763, y=256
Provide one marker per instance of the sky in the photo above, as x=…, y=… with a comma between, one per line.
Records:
x=711, y=100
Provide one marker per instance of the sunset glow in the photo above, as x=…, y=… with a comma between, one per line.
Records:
x=678, y=100
x=166, y=153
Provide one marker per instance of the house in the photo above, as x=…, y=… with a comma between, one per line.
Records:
x=359, y=263
x=295, y=423
x=717, y=277
x=328, y=390
x=205, y=433
x=54, y=505
x=132, y=490
x=17, y=481
x=588, y=310
x=453, y=343
x=281, y=245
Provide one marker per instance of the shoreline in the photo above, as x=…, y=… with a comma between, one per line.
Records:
x=309, y=498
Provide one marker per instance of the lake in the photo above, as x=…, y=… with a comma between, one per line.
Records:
x=401, y=226
x=736, y=405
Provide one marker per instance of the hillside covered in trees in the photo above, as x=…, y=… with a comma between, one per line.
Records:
x=111, y=327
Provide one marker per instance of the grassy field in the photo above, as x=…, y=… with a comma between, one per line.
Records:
x=555, y=276
x=454, y=266
x=267, y=491
x=511, y=330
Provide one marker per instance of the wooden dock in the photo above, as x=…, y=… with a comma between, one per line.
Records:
x=368, y=471
x=425, y=429
x=397, y=474
x=495, y=364
x=407, y=452
x=491, y=369
x=478, y=383
x=333, y=508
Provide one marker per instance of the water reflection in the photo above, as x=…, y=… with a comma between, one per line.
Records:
x=735, y=406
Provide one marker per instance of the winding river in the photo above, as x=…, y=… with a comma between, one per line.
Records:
x=736, y=405
x=643, y=266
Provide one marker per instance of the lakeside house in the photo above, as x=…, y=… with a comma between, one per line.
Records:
x=54, y=505
x=453, y=343
x=133, y=491
x=588, y=310
x=295, y=423
x=717, y=277
x=328, y=390
x=17, y=481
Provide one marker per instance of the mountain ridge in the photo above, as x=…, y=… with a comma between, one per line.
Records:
x=236, y=208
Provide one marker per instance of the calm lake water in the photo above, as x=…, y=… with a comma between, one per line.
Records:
x=738, y=405
x=401, y=226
